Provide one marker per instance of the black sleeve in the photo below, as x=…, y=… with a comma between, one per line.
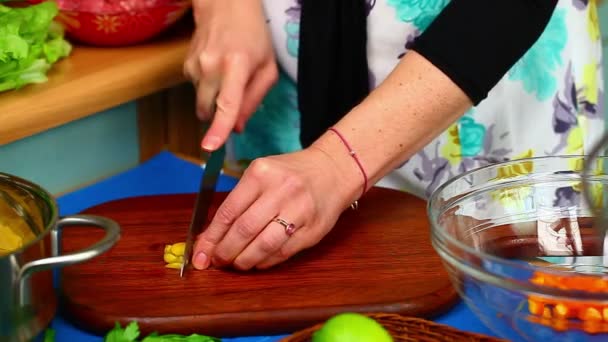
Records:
x=475, y=42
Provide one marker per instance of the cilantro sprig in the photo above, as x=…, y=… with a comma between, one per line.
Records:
x=131, y=332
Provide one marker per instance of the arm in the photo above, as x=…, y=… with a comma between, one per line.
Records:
x=452, y=66
x=413, y=105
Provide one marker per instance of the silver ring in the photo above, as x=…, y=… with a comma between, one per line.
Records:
x=290, y=228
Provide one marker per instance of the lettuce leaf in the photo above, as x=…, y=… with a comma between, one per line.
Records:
x=30, y=43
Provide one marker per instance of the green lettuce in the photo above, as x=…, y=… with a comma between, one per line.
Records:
x=30, y=43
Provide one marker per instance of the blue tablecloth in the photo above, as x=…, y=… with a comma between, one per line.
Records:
x=167, y=174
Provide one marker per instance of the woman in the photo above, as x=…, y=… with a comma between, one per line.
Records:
x=399, y=93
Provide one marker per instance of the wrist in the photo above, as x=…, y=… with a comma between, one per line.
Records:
x=349, y=173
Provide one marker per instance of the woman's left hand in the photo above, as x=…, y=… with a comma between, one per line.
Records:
x=301, y=188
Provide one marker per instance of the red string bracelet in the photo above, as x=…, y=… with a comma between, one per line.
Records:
x=354, y=155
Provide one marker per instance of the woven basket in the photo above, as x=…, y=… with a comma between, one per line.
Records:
x=406, y=329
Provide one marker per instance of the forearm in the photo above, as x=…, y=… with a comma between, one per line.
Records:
x=453, y=65
x=414, y=104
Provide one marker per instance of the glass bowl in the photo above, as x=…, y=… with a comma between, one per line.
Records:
x=522, y=249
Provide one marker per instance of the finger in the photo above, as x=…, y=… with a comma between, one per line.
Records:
x=246, y=228
x=206, y=93
x=228, y=103
x=299, y=241
x=208, y=84
x=257, y=89
x=267, y=243
x=191, y=68
x=237, y=201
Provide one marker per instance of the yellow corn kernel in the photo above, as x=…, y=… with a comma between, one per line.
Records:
x=547, y=312
x=605, y=313
x=535, y=307
x=561, y=310
x=169, y=258
x=174, y=254
x=178, y=248
x=591, y=314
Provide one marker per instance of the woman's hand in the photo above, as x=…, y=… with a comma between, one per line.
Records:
x=310, y=188
x=231, y=62
x=305, y=189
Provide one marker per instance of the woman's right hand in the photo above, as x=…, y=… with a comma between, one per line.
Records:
x=231, y=62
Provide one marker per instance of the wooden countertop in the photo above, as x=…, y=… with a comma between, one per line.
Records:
x=91, y=80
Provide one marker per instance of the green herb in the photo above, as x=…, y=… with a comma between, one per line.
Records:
x=49, y=335
x=131, y=332
x=30, y=43
x=128, y=334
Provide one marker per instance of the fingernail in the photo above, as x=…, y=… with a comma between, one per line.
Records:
x=210, y=143
x=201, y=261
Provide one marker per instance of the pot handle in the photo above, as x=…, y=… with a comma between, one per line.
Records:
x=112, y=236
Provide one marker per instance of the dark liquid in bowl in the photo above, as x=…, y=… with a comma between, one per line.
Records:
x=530, y=240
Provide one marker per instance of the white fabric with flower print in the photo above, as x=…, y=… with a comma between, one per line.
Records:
x=549, y=103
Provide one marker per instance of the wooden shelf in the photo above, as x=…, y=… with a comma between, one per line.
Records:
x=91, y=80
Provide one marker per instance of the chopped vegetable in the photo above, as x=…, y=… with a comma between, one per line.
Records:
x=174, y=255
x=131, y=332
x=30, y=43
x=559, y=314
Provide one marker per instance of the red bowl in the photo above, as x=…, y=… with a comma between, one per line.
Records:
x=121, y=28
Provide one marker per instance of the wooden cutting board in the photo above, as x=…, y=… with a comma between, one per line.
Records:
x=376, y=259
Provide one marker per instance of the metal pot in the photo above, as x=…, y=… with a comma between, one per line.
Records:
x=28, y=300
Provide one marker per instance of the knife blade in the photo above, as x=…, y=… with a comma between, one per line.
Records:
x=204, y=198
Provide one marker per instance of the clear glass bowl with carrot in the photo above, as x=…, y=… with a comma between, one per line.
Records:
x=521, y=243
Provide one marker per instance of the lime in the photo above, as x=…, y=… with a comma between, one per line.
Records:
x=351, y=327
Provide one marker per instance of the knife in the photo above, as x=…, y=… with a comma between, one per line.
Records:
x=204, y=198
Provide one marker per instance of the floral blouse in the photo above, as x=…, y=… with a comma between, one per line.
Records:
x=549, y=103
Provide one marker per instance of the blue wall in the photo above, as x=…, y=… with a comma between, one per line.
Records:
x=78, y=153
